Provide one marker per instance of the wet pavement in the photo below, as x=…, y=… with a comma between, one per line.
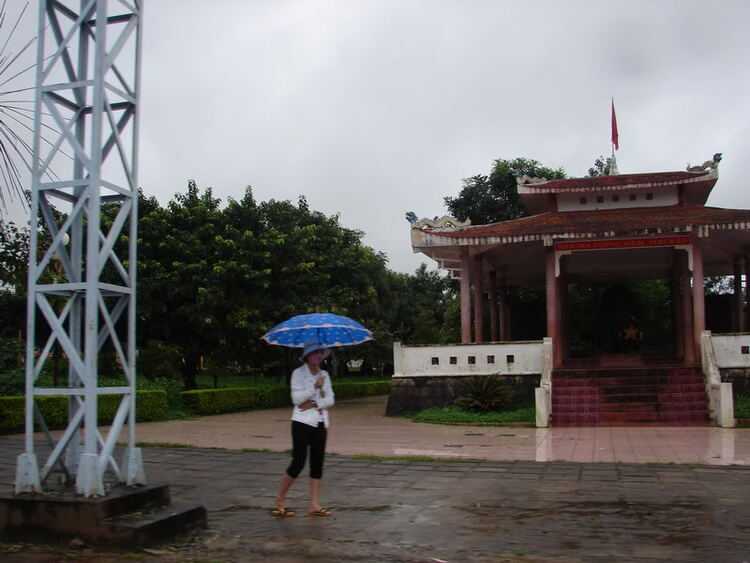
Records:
x=359, y=426
x=453, y=510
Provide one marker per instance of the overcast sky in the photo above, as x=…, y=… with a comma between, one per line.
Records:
x=372, y=108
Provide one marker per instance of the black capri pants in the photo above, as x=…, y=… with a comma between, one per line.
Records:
x=305, y=436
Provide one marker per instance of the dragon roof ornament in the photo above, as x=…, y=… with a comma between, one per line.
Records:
x=712, y=164
x=427, y=224
x=524, y=179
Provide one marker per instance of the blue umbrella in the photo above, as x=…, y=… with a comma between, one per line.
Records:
x=324, y=328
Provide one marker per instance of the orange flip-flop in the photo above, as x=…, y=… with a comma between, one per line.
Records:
x=321, y=512
x=283, y=512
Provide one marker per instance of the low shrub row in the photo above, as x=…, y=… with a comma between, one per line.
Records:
x=356, y=389
x=217, y=401
x=150, y=405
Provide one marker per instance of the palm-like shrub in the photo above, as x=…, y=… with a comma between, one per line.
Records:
x=482, y=394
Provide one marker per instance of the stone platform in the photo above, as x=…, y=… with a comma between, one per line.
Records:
x=127, y=516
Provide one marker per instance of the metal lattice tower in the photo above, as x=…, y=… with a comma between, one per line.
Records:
x=82, y=286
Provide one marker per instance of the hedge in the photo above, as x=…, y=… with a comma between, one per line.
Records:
x=217, y=401
x=354, y=389
x=150, y=405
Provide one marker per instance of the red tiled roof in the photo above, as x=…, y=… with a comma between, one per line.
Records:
x=619, y=180
x=610, y=220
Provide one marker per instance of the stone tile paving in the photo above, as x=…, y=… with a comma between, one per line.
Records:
x=484, y=505
x=396, y=510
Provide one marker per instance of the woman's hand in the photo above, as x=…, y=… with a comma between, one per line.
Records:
x=308, y=405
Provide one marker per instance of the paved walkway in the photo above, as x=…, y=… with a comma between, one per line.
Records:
x=359, y=427
x=620, y=500
x=459, y=511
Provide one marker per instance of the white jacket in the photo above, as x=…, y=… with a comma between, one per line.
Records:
x=303, y=390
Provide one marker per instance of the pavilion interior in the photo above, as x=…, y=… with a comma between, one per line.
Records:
x=604, y=289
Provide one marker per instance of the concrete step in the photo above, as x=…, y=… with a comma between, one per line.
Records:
x=629, y=398
x=608, y=381
x=626, y=372
x=629, y=395
x=625, y=388
x=158, y=524
x=696, y=418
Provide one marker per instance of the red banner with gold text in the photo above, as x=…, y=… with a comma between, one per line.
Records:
x=623, y=243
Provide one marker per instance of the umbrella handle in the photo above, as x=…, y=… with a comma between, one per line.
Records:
x=321, y=390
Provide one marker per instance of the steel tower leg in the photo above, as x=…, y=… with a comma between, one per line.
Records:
x=82, y=260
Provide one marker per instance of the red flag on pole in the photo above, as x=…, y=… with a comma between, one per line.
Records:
x=615, y=136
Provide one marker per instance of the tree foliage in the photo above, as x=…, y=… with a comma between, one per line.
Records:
x=212, y=279
x=14, y=255
x=493, y=198
x=601, y=167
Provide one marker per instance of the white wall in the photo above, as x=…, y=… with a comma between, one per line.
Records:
x=411, y=361
x=728, y=350
x=661, y=197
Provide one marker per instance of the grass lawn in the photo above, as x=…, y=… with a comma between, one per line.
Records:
x=742, y=407
x=455, y=415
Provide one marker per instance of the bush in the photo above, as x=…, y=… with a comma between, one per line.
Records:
x=484, y=394
x=171, y=386
x=12, y=378
x=158, y=360
x=217, y=401
x=12, y=382
x=356, y=389
x=150, y=405
x=742, y=407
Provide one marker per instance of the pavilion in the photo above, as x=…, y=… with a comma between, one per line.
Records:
x=616, y=227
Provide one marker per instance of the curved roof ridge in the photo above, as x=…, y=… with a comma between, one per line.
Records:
x=623, y=181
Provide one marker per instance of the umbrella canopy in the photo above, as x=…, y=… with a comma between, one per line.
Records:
x=326, y=328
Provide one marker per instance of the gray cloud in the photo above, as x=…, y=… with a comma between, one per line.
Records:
x=375, y=107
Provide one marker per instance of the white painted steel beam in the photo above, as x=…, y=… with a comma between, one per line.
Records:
x=80, y=286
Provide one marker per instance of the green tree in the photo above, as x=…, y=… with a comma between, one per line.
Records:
x=494, y=198
x=178, y=264
x=601, y=167
x=14, y=257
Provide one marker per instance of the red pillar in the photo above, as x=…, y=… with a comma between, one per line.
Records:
x=687, y=311
x=699, y=299
x=553, y=307
x=677, y=321
x=478, y=299
x=494, y=329
x=465, y=296
x=562, y=315
x=737, y=316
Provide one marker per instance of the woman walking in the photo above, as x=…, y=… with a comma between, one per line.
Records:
x=312, y=396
